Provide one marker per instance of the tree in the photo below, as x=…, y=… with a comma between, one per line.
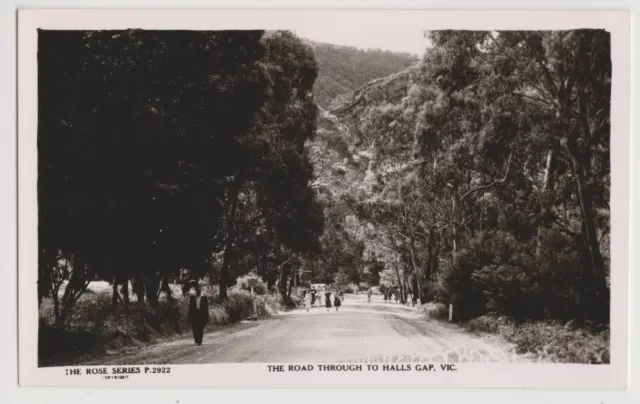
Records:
x=277, y=171
x=133, y=152
x=494, y=138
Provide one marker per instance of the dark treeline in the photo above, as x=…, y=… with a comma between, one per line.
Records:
x=165, y=152
x=487, y=184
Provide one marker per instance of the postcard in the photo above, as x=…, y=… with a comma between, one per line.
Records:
x=323, y=198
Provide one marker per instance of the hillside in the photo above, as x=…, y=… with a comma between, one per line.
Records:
x=443, y=174
x=343, y=69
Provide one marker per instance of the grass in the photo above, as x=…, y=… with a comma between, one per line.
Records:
x=547, y=341
x=95, y=329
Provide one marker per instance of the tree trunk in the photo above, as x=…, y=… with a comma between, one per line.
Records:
x=291, y=280
x=598, y=286
x=454, y=227
x=125, y=293
x=407, y=292
x=417, y=270
x=284, y=275
x=151, y=286
x=138, y=288
x=547, y=191
x=400, y=285
x=421, y=296
x=224, y=270
x=164, y=287
x=115, y=296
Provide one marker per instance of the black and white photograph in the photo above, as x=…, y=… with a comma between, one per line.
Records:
x=438, y=198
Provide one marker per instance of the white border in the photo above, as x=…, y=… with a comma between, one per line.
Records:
x=240, y=375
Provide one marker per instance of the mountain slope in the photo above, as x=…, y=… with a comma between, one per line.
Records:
x=343, y=69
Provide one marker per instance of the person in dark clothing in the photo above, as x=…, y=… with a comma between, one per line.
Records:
x=336, y=302
x=327, y=300
x=198, y=314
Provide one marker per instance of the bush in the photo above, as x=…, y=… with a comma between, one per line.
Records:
x=459, y=287
x=497, y=273
x=350, y=288
x=260, y=288
x=268, y=305
x=434, y=311
x=239, y=305
x=291, y=302
x=363, y=287
x=93, y=328
x=547, y=341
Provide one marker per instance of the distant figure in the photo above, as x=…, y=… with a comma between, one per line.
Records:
x=369, y=293
x=327, y=300
x=396, y=297
x=336, y=301
x=386, y=297
x=307, y=301
x=198, y=314
x=313, y=296
x=319, y=299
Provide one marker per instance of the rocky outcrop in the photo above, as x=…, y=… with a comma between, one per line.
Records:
x=342, y=155
x=390, y=89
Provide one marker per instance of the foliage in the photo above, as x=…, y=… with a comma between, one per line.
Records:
x=148, y=174
x=481, y=176
x=548, y=341
x=259, y=287
x=94, y=328
x=343, y=69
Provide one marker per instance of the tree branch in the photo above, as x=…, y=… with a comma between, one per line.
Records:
x=534, y=98
x=490, y=185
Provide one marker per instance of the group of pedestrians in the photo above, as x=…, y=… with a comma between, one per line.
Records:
x=390, y=295
x=331, y=299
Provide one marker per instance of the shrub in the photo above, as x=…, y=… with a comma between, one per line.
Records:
x=497, y=273
x=239, y=305
x=350, y=288
x=458, y=285
x=291, y=302
x=434, y=311
x=547, y=341
x=268, y=305
x=511, y=290
x=260, y=288
x=94, y=327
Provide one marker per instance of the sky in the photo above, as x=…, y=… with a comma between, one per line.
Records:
x=408, y=40
x=391, y=35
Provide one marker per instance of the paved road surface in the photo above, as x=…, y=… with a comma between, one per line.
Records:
x=359, y=332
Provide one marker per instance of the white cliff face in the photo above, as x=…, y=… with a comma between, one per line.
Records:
x=390, y=89
x=341, y=152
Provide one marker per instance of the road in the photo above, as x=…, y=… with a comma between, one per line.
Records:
x=358, y=333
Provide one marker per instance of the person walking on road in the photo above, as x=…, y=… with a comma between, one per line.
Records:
x=386, y=297
x=198, y=314
x=307, y=300
x=336, y=301
x=327, y=300
x=369, y=292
